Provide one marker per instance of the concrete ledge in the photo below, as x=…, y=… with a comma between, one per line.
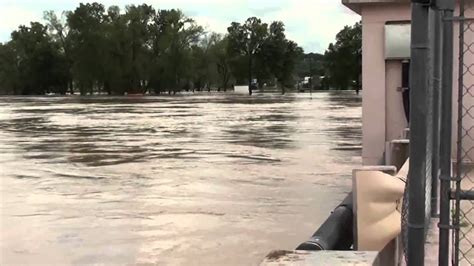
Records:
x=388, y=169
x=329, y=258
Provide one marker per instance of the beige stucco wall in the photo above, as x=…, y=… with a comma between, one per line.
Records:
x=374, y=76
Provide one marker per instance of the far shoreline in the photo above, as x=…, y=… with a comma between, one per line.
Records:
x=230, y=92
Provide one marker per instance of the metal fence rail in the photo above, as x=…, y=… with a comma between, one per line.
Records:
x=446, y=131
x=445, y=179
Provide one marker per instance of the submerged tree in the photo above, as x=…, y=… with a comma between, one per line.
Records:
x=220, y=54
x=266, y=48
x=138, y=20
x=281, y=55
x=87, y=30
x=38, y=67
x=343, y=59
x=59, y=32
x=173, y=34
x=9, y=70
x=205, y=61
x=247, y=40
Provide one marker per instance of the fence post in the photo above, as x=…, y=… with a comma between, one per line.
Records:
x=420, y=139
x=446, y=121
x=437, y=54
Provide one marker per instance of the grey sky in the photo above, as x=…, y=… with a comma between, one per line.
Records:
x=313, y=24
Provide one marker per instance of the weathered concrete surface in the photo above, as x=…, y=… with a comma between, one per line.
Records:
x=321, y=258
x=432, y=244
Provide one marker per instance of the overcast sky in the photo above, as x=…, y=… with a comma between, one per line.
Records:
x=313, y=24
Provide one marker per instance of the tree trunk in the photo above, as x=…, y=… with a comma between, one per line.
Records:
x=250, y=74
x=71, y=86
x=107, y=88
x=91, y=88
x=226, y=79
x=282, y=87
x=82, y=90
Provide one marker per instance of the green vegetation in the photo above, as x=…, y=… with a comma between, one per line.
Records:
x=142, y=50
x=343, y=59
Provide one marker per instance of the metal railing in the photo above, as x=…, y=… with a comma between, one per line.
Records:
x=446, y=130
x=432, y=178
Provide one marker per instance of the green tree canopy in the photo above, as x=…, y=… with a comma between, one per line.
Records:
x=36, y=65
x=93, y=49
x=343, y=59
x=87, y=29
x=270, y=55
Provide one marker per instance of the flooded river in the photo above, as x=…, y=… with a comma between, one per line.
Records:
x=209, y=179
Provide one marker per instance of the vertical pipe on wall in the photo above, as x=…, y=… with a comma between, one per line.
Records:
x=419, y=104
x=446, y=122
x=437, y=54
x=420, y=133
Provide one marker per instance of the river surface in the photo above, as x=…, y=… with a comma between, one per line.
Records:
x=207, y=179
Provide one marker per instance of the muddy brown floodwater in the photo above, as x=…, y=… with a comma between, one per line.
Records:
x=207, y=179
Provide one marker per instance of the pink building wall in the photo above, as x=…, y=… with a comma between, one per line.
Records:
x=382, y=108
x=383, y=117
x=468, y=99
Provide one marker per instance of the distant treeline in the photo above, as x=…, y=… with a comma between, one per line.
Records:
x=143, y=50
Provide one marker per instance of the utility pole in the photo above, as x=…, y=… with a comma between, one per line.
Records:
x=311, y=74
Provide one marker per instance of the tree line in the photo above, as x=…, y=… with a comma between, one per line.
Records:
x=143, y=50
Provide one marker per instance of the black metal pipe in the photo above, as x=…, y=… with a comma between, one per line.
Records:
x=446, y=121
x=463, y=194
x=437, y=55
x=419, y=137
x=336, y=233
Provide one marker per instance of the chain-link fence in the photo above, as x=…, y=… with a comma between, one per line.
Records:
x=431, y=130
x=463, y=187
x=442, y=71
